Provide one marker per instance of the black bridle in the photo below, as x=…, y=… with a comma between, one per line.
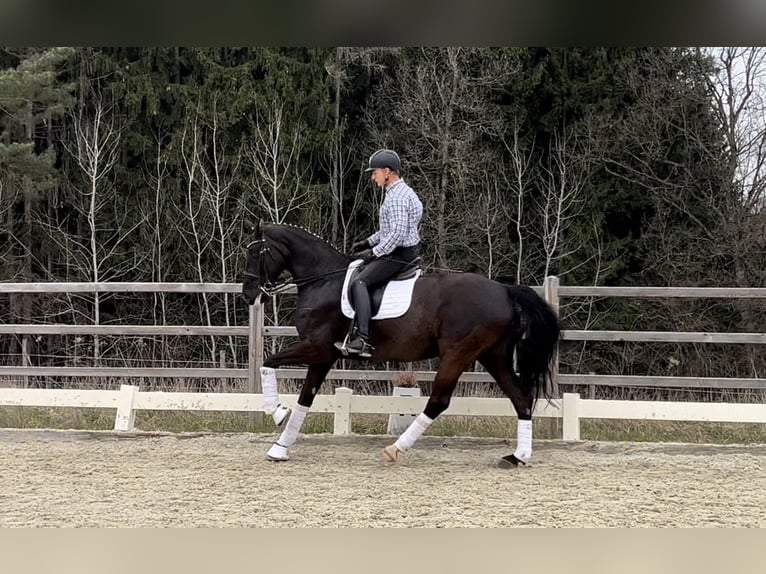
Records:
x=270, y=288
x=267, y=287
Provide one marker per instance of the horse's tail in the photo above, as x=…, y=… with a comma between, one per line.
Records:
x=539, y=333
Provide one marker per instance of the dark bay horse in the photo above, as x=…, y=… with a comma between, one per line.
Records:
x=460, y=318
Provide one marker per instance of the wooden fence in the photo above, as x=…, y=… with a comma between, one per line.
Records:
x=256, y=332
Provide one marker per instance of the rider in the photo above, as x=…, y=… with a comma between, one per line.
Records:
x=386, y=252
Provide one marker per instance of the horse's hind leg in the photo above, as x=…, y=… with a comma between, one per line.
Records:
x=449, y=372
x=497, y=363
x=314, y=379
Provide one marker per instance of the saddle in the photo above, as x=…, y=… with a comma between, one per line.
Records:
x=387, y=301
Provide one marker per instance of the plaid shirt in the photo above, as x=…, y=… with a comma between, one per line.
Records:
x=399, y=218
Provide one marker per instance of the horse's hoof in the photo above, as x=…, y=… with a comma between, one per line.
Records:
x=510, y=461
x=391, y=453
x=280, y=415
x=277, y=453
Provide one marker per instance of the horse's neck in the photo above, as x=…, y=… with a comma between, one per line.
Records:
x=310, y=258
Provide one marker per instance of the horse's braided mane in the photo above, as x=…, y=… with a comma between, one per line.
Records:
x=299, y=228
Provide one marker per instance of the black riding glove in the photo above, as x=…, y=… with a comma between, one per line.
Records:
x=359, y=246
x=366, y=256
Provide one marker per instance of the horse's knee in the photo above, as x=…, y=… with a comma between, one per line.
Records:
x=306, y=396
x=305, y=399
x=435, y=407
x=523, y=409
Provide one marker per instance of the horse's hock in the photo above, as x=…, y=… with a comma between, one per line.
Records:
x=97, y=479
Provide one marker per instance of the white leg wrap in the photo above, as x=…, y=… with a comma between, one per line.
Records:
x=280, y=414
x=294, y=424
x=278, y=450
x=524, y=441
x=413, y=432
x=270, y=392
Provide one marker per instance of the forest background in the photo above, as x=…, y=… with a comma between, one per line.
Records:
x=602, y=166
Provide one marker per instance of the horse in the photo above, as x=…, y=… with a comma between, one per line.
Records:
x=458, y=317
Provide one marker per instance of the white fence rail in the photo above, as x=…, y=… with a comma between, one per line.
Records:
x=344, y=404
x=574, y=409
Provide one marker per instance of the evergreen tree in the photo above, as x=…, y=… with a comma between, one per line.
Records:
x=32, y=101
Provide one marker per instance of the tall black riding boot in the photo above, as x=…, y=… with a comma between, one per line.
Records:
x=360, y=345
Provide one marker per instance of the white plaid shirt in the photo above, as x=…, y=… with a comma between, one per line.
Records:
x=399, y=219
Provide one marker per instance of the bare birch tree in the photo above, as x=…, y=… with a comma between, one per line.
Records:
x=562, y=199
x=517, y=180
x=211, y=233
x=280, y=181
x=217, y=183
x=156, y=176
x=95, y=148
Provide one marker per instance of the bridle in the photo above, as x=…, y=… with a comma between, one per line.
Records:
x=270, y=288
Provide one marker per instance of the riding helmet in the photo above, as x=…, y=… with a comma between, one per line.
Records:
x=385, y=158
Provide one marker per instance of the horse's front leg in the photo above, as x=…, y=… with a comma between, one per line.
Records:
x=302, y=352
x=314, y=379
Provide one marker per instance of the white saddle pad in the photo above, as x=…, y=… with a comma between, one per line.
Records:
x=396, y=298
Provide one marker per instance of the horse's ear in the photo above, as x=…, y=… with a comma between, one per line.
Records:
x=251, y=227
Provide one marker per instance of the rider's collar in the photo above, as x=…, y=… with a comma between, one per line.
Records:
x=393, y=185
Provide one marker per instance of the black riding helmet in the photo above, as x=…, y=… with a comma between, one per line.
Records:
x=385, y=158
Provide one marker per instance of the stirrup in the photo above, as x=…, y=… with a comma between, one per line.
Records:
x=364, y=352
x=341, y=346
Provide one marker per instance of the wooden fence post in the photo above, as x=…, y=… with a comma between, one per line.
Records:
x=222, y=365
x=571, y=416
x=255, y=356
x=25, y=360
x=551, y=291
x=551, y=295
x=126, y=415
x=342, y=415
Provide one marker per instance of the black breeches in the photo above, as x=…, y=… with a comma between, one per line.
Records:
x=375, y=273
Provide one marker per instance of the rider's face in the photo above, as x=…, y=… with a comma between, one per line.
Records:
x=380, y=176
